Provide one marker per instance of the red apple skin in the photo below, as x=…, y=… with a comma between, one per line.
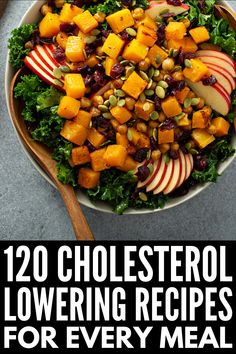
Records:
x=45, y=57
x=183, y=172
x=166, y=179
x=222, y=78
x=156, y=166
x=219, y=62
x=189, y=164
x=41, y=64
x=158, y=178
x=217, y=54
x=175, y=177
x=223, y=71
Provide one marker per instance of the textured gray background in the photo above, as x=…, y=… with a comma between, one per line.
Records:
x=31, y=209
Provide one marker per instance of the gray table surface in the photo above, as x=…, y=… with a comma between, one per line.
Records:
x=31, y=209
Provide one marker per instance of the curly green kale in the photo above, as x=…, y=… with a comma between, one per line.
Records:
x=16, y=44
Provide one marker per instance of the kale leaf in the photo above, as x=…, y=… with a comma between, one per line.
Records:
x=111, y=6
x=16, y=44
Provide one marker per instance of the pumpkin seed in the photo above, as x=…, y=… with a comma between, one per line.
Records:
x=90, y=124
x=58, y=83
x=165, y=45
x=158, y=59
x=193, y=151
x=123, y=78
x=107, y=103
x=103, y=108
x=144, y=76
x=148, y=154
x=131, y=31
x=133, y=3
x=129, y=134
x=159, y=19
x=107, y=115
x=121, y=103
x=150, y=166
x=90, y=39
x=179, y=116
x=188, y=146
x=149, y=92
x=162, y=84
x=164, y=11
x=156, y=73
x=129, y=71
x=195, y=101
x=142, y=97
x=119, y=93
x=143, y=196
x=187, y=102
x=154, y=134
x=120, y=58
x=151, y=72
x=113, y=100
x=154, y=115
x=177, y=68
x=95, y=32
x=85, y=54
x=150, y=84
x=148, y=100
x=166, y=158
x=175, y=53
x=146, y=106
x=160, y=92
x=64, y=69
x=57, y=73
x=187, y=63
x=124, y=62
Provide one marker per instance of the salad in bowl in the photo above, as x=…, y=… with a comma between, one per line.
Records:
x=135, y=99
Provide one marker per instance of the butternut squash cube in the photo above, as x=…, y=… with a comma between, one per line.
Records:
x=182, y=95
x=74, y=132
x=175, y=30
x=171, y=107
x=129, y=165
x=68, y=12
x=134, y=135
x=121, y=114
x=61, y=39
x=68, y=107
x=187, y=44
x=109, y=62
x=50, y=25
x=97, y=160
x=135, y=51
x=87, y=178
x=222, y=126
x=121, y=139
x=95, y=138
x=113, y=45
x=146, y=36
x=144, y=141
x=80, y=155
x=165, y=136
x=202, y=137
x=200, y=34
x=115, y=155
x=85, y=21
x=134, y=85
x=74, y=85
x=197, y=71
x=147, y=21
x=83, y=118
x=120, y=20
x=92, y=61
x=156, y=56
x=74, y=49
x=201, y=118
x=184, y=122
x=144, y=113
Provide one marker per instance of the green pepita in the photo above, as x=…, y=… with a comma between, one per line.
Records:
x=158, y=59
x=150, y=84
x=177, y=68
x=149, y=92
x=119, y=93
x=129, y=135
x=193, y=151
x=149, y=154
x=187, y=63
x=150, y=166
x=151, y=72
x=154, y=115
x=156, y=73
x=58, y=83
x=95, y=32
x=144, y=76
x=179, y=116
x=64, y=69
x=103, y=108
x=107, y=115
x=195, y=101
x=121, y=103
x=142, y=97
x=187, y=102
x=90, y=39
x=154, y=134
x=129, y=71
x=146, y=106
x=57, y=73
x=143, y=196
x=164, y=11
x=131, y=31
x=166, y=158
x=113, y=100
x=133, y=3
x=159, y=19
x=162, y=84
x=160, y=92
x=107, y=103
x=124, y=62
x=175, y=53
x=120, y=58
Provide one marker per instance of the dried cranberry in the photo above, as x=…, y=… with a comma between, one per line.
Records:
x=141, y=155
x=125, y=36
x=157, y=102
x=105, y=33
x=135, y=194
x=184, y=149
x=153, y=143
x=81, y=68
x=126, y=3
x=99, y=66
x=174, y=2
x=102, y=122
x=182, y=56
x=116, y=70
x=161, y=33
x=46, y=40
x=200, y=162
x=201, y=5
x=90, y=147
x=185, y=136
x=67, y=27
x=59, y=55
x=131, y=123
x=168, y=124
x=209, y=80
x=88, y=80
x=90, y=49
x=143, y=173
x=193, y=24
x=173, y=155
x=35, y=37
x=174, y=86
x=189, y=55
x=99, y=77
x=98, y=42
x=110, y=135
x=168, y=15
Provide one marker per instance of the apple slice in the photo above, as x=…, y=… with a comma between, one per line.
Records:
x=36, y=58
x=214, y=96
x=184, y=168
x=156, y=8
x=45, y=56
x=156, y=166
x=167, y=178
x=218, y=55
x=175, y=177
x=189, y=165
x=223, y=72
x=219, y=62
x=158, y=177
x=223, y=79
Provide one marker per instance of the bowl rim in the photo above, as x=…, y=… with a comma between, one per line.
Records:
x=83, y=199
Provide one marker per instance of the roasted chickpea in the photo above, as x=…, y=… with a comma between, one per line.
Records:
x=156, y=154
x=162, y=117
x=131, y=149
x=191, y=94
x=29, y=45
x=95, y=112
x=178, y=75
x=186, y=22
x=85, y=102
x=100, y=17
x=97, y=100
x=170, y=19
x=122, y=129
x=108, y=93
x=174, y=146
x=141, y=127
x=99, y=51
x=164, y=148
x=153, y=124
x=59, y=3
x=211, y=129
x=188, y=110
x=168, y=64
x=118, y=83
x=201, y=103
x=45, y=9
x=143, y=65
x=138, y=13
x=130, y=102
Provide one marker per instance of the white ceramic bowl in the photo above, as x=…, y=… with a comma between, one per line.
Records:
x=33, y=16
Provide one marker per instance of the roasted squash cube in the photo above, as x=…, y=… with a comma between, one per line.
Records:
x=134, y=135
x=83, y=118
x=120, y=20
x=144, y=141
x=74, y=85
x=146, y=36
x=222, y=126
x=201, y=118
x=88, y=178
x=175, y=30
x=74, y=49
x=200, y=34
x=69, y=11
x=171, y=107
x=109, y=62
x=50, y=25
x=115, y=155
x=121, y=139
x=144, y=113
x=97, y=160
x=187, y=44
x=156, y=56
x=121, y=114
x=165, y=136
x=68, y=107
x=134, y=85
x=184, y=121
x=95, y=138
x=74, y=132
x=61, y=39
x=92, y=61
x=129, y=165
x=202, y=137
x=147, y=21
x=135, y=51
x=80, y=155
x=113, y=45
x=85, y=21
x=182, y=95
x=197, y=71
